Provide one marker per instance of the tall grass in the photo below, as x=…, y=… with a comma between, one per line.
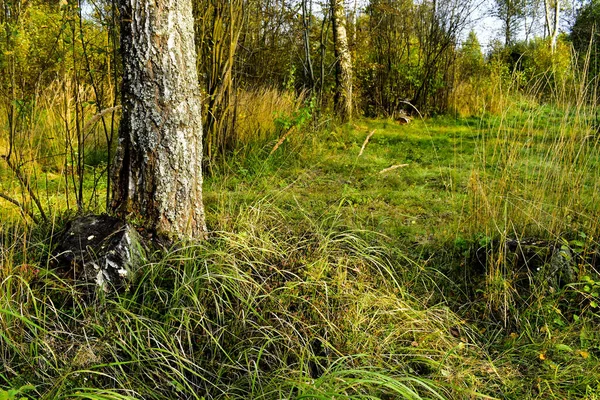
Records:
x=60, y=147
x=259, y=111
x=63, y=143
x=536, y=178
x=257, y=311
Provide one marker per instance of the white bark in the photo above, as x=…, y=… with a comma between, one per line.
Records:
x=547, y=14
x=354, y=22
x=343, y=96
x=552, y=21
x=556, y=22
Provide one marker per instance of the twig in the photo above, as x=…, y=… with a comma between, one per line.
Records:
x=96, y=117
x=281, y=140
x=21, y=206
x=25, y=182
x=365, y=142
x=393, y=167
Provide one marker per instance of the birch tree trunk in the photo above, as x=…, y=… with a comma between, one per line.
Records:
x=552, y=21
x=556, y=23
x=354, y=22
x=547, y=29
x=158, y=174
x=343, y=76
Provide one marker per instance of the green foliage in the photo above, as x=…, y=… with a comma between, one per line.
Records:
x=399, y=62
x=299, y=118
x=537, y=66
x=16, y=394
x=57, y=74
x=542, y=68
x=585, y=35
x=471, y=64
x=530, y=71
x=588, y=297
x=472, y=80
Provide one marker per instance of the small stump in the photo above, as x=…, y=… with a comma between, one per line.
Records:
x=547, y=260
x=99, y=249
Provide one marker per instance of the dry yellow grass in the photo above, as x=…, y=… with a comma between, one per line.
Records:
x=258, y=110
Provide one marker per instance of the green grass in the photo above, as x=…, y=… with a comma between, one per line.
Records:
x=260, y=313
x=324, y=176
x=326, y=278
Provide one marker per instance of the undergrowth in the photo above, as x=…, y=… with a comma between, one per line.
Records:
x=257, y=311
x=448, y=258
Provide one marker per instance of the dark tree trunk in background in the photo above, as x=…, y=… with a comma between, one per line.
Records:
x=511, y=13
x=158, y=177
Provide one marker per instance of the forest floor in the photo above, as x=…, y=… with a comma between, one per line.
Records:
x=418, y=263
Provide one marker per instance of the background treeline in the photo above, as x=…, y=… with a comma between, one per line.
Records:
x=268, y=68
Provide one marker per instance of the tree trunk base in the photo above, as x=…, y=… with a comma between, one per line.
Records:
x=99, y=250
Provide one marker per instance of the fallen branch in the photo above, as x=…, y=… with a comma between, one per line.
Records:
x=281, y=140
x=393, y=167
x=365, y=142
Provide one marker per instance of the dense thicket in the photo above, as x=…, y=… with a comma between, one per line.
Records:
x=586, y=37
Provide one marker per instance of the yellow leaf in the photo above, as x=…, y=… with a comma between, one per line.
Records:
x=584, y=354
x=542, y=356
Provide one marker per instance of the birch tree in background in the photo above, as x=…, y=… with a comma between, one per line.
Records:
x=552, y=11
x=343, y=78
x=510, y=13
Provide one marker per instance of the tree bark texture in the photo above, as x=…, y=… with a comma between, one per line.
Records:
x=158, y=179
x=552, y=21
x=343, y=93
x=556, y=23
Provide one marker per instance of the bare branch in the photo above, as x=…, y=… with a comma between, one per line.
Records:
x=24, y=210
x=25, y=182
x=96, y=117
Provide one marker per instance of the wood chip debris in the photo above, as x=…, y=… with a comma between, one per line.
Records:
x=365, y=142
x=393, y=167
